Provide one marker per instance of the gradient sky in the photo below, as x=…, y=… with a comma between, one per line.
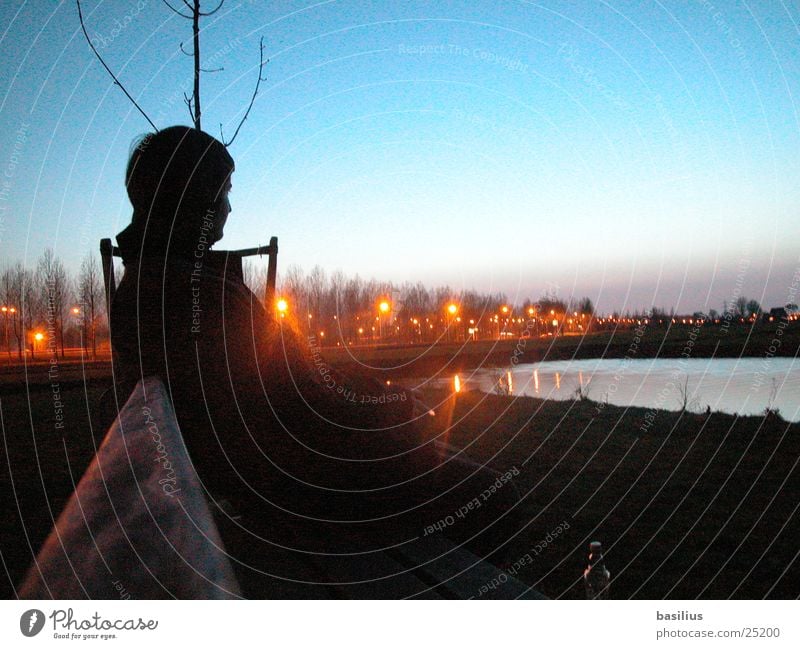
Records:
x=639, y=153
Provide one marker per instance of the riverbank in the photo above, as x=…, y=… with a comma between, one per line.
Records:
x=387, y=362
x=686, y=505
x=758, y=341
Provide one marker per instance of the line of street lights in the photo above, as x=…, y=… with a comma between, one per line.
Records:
x=38, y=336
x=451, y=316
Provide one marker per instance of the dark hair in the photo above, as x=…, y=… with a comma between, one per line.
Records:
x=173, y=178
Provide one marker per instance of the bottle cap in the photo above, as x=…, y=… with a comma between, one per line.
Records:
x=595, y=547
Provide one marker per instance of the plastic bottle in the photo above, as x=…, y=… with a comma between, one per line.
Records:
x=596, y=577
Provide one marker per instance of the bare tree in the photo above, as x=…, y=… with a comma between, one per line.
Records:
x=113, y=76
x=585, y=306
x=753, y=308
x=255, y=277
x=21, y=295
x=53, y=285
x=89, y=290
x=11, y=295
x=316, y=286
x=686, y=400
x=195, y=13
x=292, y=286
x=740, y=307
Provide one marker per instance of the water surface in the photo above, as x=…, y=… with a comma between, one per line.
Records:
x=745, y=385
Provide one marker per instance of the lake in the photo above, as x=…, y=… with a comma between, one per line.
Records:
x=745, y=385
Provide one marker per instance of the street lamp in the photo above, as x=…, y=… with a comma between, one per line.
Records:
x=37, y=338
x=452, y=309
x=383, y=308
x=76, y=312
x=5, y=311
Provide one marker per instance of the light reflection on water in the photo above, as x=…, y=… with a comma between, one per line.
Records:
x=745, y=386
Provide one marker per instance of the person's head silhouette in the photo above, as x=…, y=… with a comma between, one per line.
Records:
x=178, y=180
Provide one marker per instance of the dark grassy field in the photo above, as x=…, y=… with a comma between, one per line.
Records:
x=698, y=506
x=39, y=466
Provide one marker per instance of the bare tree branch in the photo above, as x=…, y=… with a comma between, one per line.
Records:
x=211, y=69
x=113, y=76
x=261, y=64
x=188, y=101
x=176, y=10
x=212, y=12
x=184, y=51
x=196, y=42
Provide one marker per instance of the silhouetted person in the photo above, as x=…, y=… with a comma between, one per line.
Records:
x=262, y=423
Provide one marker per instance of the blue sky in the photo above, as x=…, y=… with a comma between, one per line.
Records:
x=637, y=152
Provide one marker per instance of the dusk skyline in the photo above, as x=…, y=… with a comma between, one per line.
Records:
x=618, y=151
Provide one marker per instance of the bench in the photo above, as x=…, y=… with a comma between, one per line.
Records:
x=137, y=524
x=108, y=251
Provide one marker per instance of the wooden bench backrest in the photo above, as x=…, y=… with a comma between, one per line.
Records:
x=108, y=251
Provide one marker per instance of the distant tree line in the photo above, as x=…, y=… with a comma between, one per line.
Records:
x=46, y=309
x=338, y=309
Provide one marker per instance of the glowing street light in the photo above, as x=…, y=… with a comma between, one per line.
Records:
x=282, y=306
x=452, y=309
x=5, y=311
x=37, y=338
x=383, y=308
